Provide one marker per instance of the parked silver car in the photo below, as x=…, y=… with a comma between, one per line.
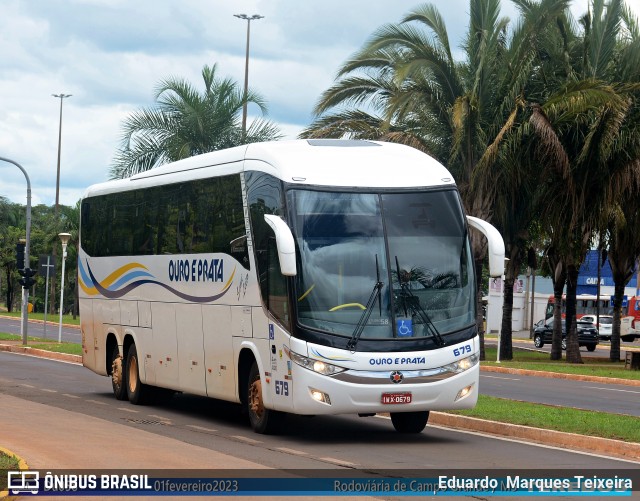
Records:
x=605, y=326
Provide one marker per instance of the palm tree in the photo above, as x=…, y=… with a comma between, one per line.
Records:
x=186, y=122
x=586, y=128
x=407, y=88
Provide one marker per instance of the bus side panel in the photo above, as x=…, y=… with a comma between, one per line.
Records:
x=241, y=321
x=106, y=318
x=164, y=351
x=218, y=350
x=144, y=313
x=129, y=313
x=281, y=385
x=144, y=345
x=88, y=334
x=191, y=371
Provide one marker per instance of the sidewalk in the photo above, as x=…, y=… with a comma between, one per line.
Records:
x=50, y=438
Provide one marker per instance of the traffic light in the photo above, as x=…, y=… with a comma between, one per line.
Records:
x=27, y=279
x=20, y=255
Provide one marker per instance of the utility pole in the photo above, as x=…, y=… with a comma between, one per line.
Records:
x=254, y=17
x=60, y=96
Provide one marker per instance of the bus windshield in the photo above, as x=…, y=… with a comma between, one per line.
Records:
x=415, y=244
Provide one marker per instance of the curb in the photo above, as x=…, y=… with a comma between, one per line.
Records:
x=561, y=375
x=22, y=465
x=584, y=443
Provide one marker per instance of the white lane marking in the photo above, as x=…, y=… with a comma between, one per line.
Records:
x=201, y=428
x=501, y=377
x=70, y=396
x=27, y=385
x=126, y=409
x=96, y=402
x=338, y=461
x=49, y=391
x=292, y=451
x=246, y=439
x=611, y=389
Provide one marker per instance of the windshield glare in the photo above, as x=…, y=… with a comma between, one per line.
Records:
x=347, y=242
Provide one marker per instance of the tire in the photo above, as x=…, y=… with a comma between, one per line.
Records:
x=591, y=347
x=537, y=341
x=118, y=379
x=264, y=421
x=409, y=422
x=628, y=339
x=564, y=343
x=137, y=392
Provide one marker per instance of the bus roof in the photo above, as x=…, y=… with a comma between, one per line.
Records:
x=317, y=162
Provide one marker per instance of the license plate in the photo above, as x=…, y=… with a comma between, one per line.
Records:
x=396, y=398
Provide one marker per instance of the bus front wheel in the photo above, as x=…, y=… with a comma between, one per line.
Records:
x=409, y=422
x=262, y=420
x=117, y=376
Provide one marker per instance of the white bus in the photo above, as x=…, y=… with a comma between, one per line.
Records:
x=308, y=277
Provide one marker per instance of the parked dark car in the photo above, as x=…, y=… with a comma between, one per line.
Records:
x=587, y=334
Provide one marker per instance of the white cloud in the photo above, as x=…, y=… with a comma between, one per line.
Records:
x=110, y=54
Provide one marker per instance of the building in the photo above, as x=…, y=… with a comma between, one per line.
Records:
x=522, y=304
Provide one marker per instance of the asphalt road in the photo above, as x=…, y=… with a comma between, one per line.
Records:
x=614, y=398
x=314, y=443
x=619, y=399
x=602, y=350
x=37, y=329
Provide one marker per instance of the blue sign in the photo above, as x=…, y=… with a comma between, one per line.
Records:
x=625, y=301
x=404, y=327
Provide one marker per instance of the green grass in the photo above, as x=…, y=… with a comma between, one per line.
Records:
x=45, y=344
x=532, y=360
x=54, y=319
x=566, y=419
x=7, y=463
x=71, y=348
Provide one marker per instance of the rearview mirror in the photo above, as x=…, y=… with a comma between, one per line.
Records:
x=495, y=244
x=285, y=243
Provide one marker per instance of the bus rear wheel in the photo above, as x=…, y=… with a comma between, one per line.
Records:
x=117, y=376
x=262, y=420
x=409, y=422
x=136, y=391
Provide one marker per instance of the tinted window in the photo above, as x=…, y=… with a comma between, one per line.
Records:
x=202, y=216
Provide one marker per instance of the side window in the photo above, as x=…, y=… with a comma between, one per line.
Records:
x=195, y=217
x=276, y=286
x=264, y=194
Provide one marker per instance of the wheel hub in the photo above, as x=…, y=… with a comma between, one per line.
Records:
x=255, y=398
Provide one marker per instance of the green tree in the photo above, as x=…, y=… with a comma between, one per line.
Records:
x=405, y=86
x=187, y=122
x=584, y=127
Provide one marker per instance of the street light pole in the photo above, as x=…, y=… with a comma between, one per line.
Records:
x=61, y=96
x=27, y=246
x=64, y=238
x=254, y=17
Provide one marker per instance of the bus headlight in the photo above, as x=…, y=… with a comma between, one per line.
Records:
x=316, y=365
x=463, y=364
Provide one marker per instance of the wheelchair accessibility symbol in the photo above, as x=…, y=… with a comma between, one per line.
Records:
x=404, y=327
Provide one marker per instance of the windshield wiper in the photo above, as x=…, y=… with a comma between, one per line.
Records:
x=364, y=318
x=416, y=308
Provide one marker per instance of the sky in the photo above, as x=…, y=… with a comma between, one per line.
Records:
x=111, y=54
